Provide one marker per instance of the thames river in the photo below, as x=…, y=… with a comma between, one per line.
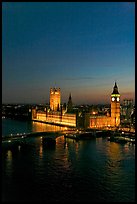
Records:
x=95, y=170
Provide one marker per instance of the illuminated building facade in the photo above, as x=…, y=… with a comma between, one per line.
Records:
x=55, y=98
x=115, y=107
x=97, y=121
x=57, y=116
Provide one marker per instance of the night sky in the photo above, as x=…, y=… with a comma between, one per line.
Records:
x=83, y=48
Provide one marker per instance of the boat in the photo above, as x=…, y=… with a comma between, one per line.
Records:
x=132, y=141
x=118, y=139
x=121, y=140
x=80, y=135
x=87, y=135
x=72, y=136
x=100, y=133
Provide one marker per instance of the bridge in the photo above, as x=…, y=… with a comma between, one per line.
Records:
x=47, y=137
x=21, y=138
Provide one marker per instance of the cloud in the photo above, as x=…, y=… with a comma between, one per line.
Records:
x=78, y=78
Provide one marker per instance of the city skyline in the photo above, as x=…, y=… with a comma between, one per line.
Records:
x=81, y=48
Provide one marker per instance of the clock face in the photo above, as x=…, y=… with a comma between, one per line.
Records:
x=117, y=99
x=113, y=99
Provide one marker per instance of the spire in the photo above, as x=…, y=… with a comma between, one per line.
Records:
x=115, y=89
x=55, y=86
x=70, y=96
x=69, y=105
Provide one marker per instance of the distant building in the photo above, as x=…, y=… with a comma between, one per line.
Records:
x=55, y=98
x=127, y=102
x=127, y=110
x=133, y=118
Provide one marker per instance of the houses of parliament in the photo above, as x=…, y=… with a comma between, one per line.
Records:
x=57, y=114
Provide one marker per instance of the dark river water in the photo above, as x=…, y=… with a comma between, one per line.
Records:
x=95, y=170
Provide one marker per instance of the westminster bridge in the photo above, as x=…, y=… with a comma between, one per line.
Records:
x=49, y=136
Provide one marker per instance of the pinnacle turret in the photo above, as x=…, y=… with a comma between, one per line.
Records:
x=115, y=89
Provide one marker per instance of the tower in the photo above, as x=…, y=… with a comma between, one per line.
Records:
x=55, y=99
x=115, y=107
x=69, y=105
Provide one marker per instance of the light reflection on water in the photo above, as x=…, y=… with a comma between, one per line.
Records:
x=14, y=126
x=39, y=127
x=9, y=161
x=93, y=170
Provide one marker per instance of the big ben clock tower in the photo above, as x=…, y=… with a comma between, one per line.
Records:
x=115, y=107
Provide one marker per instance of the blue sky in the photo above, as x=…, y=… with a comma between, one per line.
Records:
x=81, y=47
